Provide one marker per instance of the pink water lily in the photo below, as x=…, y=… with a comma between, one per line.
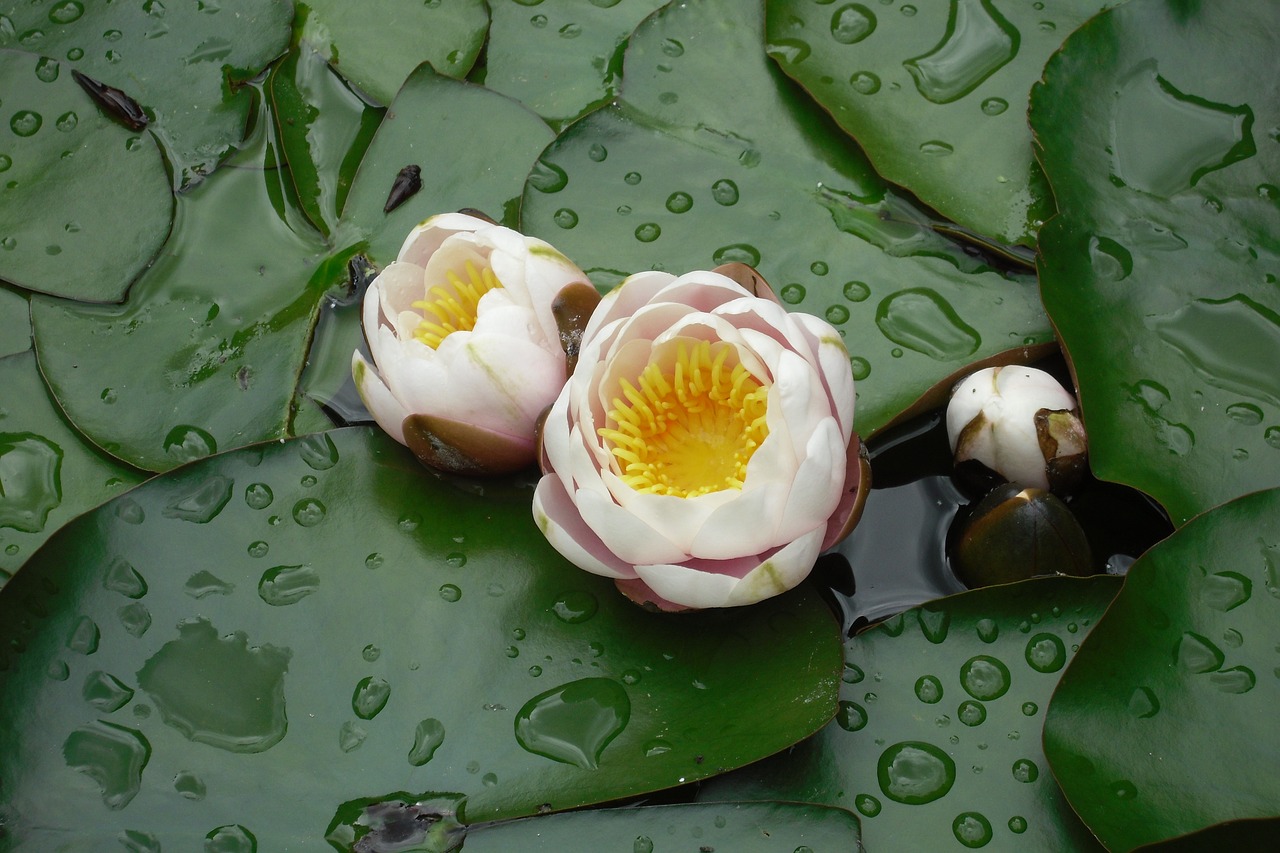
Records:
x=702, y=453
x=466, y=348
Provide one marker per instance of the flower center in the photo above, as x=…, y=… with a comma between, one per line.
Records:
x=690, y=430
x=453, y=308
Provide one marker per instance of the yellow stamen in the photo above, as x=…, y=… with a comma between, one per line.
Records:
x=452, y=308
x=691, y=430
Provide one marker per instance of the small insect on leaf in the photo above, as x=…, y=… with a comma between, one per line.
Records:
x=408, y=181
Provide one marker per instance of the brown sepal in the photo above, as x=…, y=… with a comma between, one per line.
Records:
x=464, y=448
x=572, y=309
x=749, y=278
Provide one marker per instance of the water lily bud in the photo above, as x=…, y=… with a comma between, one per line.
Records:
x=1016, y=533
x=1019, y=424
x=466, y=348
x=702, y=453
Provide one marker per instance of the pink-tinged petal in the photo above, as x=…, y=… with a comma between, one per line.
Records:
x=746, y=525
x=815, y=492
x=796, y=400
x=464, y=448
x=857, y=485
x=423, y=241
x=782, y=571
x=625, y=299
x=834, y=368
x=559, y=521
x=679, y=519
x=642, y=594
x=688, y=587
x=381, y=403
x=749, y=279
x=624, y=534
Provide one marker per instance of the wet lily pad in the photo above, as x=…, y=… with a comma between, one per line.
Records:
x=206, y=352
x=181, y=61
x=666, y=829
x=561, y=57
x=684, y=173
x=366, y=634
x=937, y=740
x=15, y=323
x=67, y=173
x=48, y=473
x=1181, y=675
x=375, y=45
x=1156, y=126
x=937, y=95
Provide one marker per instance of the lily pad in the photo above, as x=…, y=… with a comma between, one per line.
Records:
x=15, y=323
x=67, y=172
x=936, y=94
x=684, y=173
x=561, y=57
x=1156, y=126
x=1180, y=674
x=375, y=45
x=207, y=350
x=181, y=61
x=665, y=829
x=937, y=740
x=325, y=613
x=48, y=473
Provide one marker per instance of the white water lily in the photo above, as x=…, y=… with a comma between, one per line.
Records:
x=466, y=351
x=1020, y=423
x=702, y=452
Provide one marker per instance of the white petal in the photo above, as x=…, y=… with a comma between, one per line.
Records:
x=558, y=519
x=746, y=525
x=624, y=300
x=424, y=240
x=624, y=534
x=385, y=408
x=815, y=492
x=782, y=571
x=688, y=587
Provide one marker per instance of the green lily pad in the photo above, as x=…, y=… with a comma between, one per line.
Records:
x=684, y=173
x=375, y=45
x=1180, y=674
x=665, y=829
x=207, y=351
x=937, y=740
x=15, y=323
x=85, y=203
x=327, y=614
x=180, y=61
x=48, y=473
x=1157, y=128
x=937, y=95
x=561, y=57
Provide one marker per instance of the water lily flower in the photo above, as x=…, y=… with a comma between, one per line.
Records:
x=466, y=347
x=1019, y=423
x=702, y=453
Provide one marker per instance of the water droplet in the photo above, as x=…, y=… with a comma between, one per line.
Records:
x=30, y=481
x=914, y=772
x=851, y=716
x=1245, y=413
x=1025, y=770
x=978, y=41
x=123, y=578
x=135, y=619
x=186, y=443
x=6, y=162
x=1143, y=703
x=648, y=232
x=994, y=106
x=792, y=294
x=860, y=367
x=789, y=51
x=66, y=12
x=308, y=512
x=457, y=559
x=67, y=122
x=1198, y=654
x=672, y=48
x=923, y=321
x=538, y=21
x=1213, y=334
x=1225, y=590
x=656, y=747
x=837, y=314
x=679, y=202
x=535, y=671
x=867, y=805
x=574, y=722
x=58, y=670
x=284, y=585
x=204, y=583
x=112, y=756
x=1029, y=709
x=742, y=253
x=934, y=625
x=1272, y=436
x=351, y=736
x=1046, y=653
x=189, y=785
x=1124, y=790
x=1017, y=824
x=642, y=845
x=84, y=636
x=570, y=31
x=47, y=69
x=373, y=561
x=565, y=218
x=450, y=592
x=984, y=678
x=988, y=630
x=865, y=82
x=427, y=738
x=668, y=98
x=936, y=148
x=972, y=829
x=258, y=495
x=1237, y=679
x=908, y=11
x=370, y=697
x=575, y=607
x=25, y=123
x=631, y=178
x=232, y=838
x=852, y=23
x=928, y=689
x=105, y=692
x=204, y=503
x=318, y=451
x=1233, y=638
x=75, y=54
x=725, y=192
x=971, y=713
x=1165, y=141
x=547, y=178
x=597, y=152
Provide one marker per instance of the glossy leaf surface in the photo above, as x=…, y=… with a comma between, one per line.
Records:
x=1160, y=274
x=937, y=741
x=682, y=173
x=15, y=323
x=67, y=170
x=1181, y=675
x=376, y=43
x=48, y=474
x=937, y=95
x=325, y=614
x=179, y=61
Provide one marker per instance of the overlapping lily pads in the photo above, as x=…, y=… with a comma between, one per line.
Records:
x=1181, y=675
x=1157, y=128
x=682, y=173
x=937, y=741
x=65, y=169
x=319, y=620
x=182, y=62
